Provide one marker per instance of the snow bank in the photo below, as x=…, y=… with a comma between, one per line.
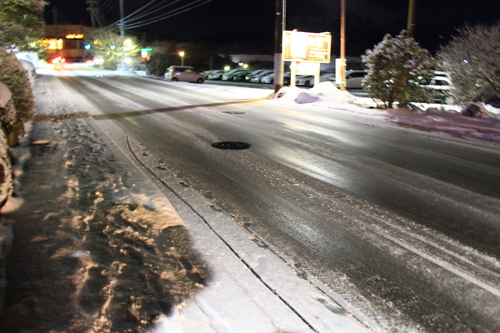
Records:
x=30, y=70
x=433, y=117
x=5, y=95
x=492, y=110
x=324, y=94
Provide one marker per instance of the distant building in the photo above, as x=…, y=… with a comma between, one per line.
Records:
x=68, y=41
x=246, y=58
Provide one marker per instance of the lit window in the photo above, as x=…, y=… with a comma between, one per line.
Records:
x=54, y=44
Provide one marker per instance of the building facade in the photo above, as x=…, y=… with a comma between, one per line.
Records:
x=71, y=41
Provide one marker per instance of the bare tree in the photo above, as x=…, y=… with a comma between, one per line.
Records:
x=472, y=61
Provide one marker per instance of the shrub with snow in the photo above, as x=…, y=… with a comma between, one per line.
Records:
x=6, y=111
x=397, y=67
x=14, y=76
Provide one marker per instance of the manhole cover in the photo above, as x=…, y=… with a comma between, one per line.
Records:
x=40, y=143
x=231, y=145
x=233, y=112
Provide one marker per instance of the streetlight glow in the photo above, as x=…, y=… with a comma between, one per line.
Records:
x=181, y=54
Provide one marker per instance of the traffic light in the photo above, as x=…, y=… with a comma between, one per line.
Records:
x=87, y=46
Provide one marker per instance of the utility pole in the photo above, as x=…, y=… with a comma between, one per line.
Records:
x=342, y=46
x=411, y=17
x=91, y=8
x=122, y=35
x=56, y=30
x=278, y=44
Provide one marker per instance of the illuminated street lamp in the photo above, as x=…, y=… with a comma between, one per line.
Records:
x=181, y=54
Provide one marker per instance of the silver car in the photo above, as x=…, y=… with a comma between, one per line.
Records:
x=183, y=73
x=353, y=79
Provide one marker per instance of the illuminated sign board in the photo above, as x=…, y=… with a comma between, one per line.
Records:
x=306, y=46
x=74, y=36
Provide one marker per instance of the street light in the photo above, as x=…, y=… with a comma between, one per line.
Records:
x=181, y=53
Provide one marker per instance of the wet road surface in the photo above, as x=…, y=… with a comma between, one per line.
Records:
x=405, y=227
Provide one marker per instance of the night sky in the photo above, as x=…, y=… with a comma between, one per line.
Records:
x=252, y=21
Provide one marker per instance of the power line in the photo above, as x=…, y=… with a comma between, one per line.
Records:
x=177, y=11
x=150, y=10
x=131, y=20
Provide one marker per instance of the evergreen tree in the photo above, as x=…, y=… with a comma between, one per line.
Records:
x=397, y=67
x=20, y=24
x=20, y=29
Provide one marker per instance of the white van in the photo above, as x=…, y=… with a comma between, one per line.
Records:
x=183, y=73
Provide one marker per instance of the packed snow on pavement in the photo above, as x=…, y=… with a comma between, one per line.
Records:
x=102, y=246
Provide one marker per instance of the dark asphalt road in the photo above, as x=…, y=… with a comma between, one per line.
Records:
x=405, y=227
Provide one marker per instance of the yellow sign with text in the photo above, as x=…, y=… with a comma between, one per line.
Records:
x=307, y=46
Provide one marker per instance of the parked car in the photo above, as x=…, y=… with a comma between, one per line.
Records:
x=256, y=78
x=216, y=75
x=183, y=73
x=327, y=76
x=308, y=80
x=257, y=73
x=353, y=79
x=439, y=87
x=228, y=76
x=206, y=74
x=240, y=76
x=269, y=78
x=304, y=80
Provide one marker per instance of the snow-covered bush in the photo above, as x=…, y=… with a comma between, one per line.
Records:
x=6, y=183
x=14, y=76
x=6, y=111
x=397, y=67
x=472, y=61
